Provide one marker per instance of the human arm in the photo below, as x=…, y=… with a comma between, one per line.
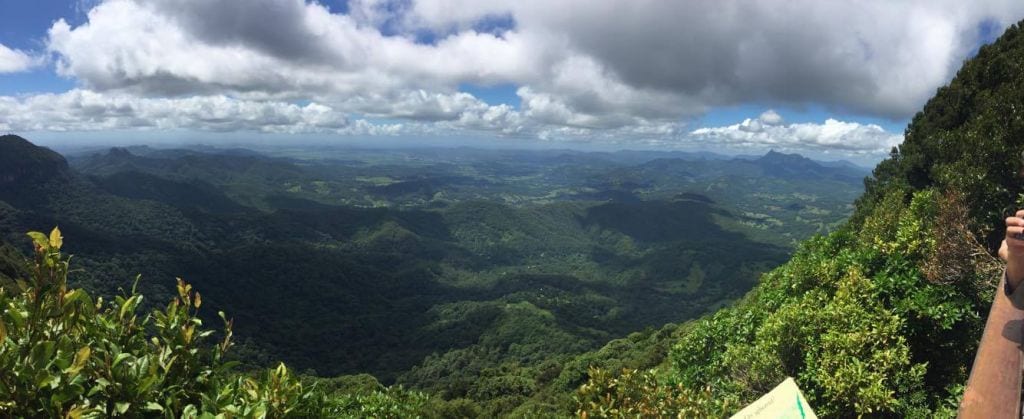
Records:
x=994, y=387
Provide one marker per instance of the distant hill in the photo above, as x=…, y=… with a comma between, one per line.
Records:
x=450, y=271
x=23, y=164
x=276, y=228
x=796, y=166
x=192, y=193
x=845, y=164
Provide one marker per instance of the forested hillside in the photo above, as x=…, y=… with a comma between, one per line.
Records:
x=466, y=274
x=881, y=317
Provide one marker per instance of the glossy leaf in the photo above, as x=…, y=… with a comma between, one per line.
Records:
x=39, y=239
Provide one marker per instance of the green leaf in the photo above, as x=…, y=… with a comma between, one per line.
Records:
x=42, y=353
x=76, y=296
x=148, y=382
x=80, y=359
x=120, y=358
x=75, y=413
x=153, y=406
x=18, y=317
x=63, y=394
x=3, y=332
x=39, y=239
x=129, y=306
x=228, y=365
x=122, y=407
x=44, y=379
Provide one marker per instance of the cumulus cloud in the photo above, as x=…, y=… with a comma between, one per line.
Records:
x=646, y=59
x=85, y=110
x=614, y=71
x=200, y=47
x=770, y=117
x=88, y=110
x=832, y=135
x=878, y=57
x=14, y=61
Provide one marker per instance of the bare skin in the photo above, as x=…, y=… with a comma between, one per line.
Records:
x=993, y=390
x=1012, y=249
x=994, y=387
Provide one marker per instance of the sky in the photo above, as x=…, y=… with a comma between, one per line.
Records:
x=835, y=80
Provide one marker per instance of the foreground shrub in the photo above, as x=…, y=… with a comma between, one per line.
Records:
x=65, y=354
x=634, y=394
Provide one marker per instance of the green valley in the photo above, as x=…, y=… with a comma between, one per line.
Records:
x=466, y=274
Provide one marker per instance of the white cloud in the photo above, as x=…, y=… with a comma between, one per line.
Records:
x=614, y=71
x=85, y=110
x=416, y=105
x=428, y=114
x=770, y=117
x=14, y=61
x=878, y=57
x=647, y=59
x=832, y=135
x=199, y=47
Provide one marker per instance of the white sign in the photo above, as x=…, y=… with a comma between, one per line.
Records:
x=785, y=401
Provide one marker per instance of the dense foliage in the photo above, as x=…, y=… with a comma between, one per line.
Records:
x=478, y=277
x=881, y=317
x=854, y=319
x=64, y=354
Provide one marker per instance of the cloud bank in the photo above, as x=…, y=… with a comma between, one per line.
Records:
x=616, y=70
x=646, y=58
x=767, y=132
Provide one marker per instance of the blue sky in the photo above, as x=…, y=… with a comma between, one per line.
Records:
x=736, y=77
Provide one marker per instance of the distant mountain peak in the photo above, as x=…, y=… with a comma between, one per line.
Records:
x=796, y=166
x=772, y=154
x=120, y=152
x=776, y=158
